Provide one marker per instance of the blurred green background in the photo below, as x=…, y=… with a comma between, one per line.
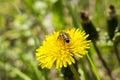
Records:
x=24, y=24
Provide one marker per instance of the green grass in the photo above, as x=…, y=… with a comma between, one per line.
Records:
x=24, y=24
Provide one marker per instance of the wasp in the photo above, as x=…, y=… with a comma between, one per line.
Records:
x=64, y=36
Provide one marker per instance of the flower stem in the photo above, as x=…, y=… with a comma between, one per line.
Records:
x=116, y=52
x=71, y=12
x=103, y=61
x=76, y=74
x=93, y=67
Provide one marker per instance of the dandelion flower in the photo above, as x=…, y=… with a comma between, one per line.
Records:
x=55, y=50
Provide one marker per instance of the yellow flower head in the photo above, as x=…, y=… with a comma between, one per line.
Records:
x=60, y=47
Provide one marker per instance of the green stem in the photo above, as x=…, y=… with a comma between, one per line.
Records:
x=71, y=12
x=93, y=67
x=116, y=52
x=76, y=75
x=109, y=72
